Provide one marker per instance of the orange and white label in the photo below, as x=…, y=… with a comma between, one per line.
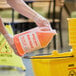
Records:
x=29, y=42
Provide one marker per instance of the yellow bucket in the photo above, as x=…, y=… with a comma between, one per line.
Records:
x=57, y=64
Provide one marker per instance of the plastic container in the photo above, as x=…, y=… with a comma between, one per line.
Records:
x=32, y=40
x=57, y=64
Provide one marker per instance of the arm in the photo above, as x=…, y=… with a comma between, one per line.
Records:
x=2, y=28
x=25, y=10
x=8, y=37
x=22, y=8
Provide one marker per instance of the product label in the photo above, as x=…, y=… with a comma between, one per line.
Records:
x=29, y=42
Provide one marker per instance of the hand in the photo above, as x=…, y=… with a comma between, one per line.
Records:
x=8, y=37
x=10, y=40
x=43, y=23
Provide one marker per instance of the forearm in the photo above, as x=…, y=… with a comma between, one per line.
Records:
x=23, y=8
x=2, y=28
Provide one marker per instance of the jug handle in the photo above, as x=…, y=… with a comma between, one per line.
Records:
x=42, y=29
x=47, y=28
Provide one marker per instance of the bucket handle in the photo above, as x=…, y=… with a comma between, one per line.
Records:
x=29, y=57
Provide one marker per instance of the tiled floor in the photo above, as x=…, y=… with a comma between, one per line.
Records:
x=12, y=73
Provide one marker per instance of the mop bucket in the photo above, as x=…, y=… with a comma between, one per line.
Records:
x=32, y=40
x=57, y=64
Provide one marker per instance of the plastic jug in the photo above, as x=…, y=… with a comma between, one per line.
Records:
x=32, y=40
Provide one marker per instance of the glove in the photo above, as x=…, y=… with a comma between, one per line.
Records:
x=10, y=41
x=43, y=23
x=8, y=37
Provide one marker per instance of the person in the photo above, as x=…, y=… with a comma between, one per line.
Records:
x=24, y=9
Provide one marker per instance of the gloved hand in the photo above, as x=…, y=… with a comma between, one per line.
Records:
x=10, y=40
x=8, y=37
x=43, y=22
